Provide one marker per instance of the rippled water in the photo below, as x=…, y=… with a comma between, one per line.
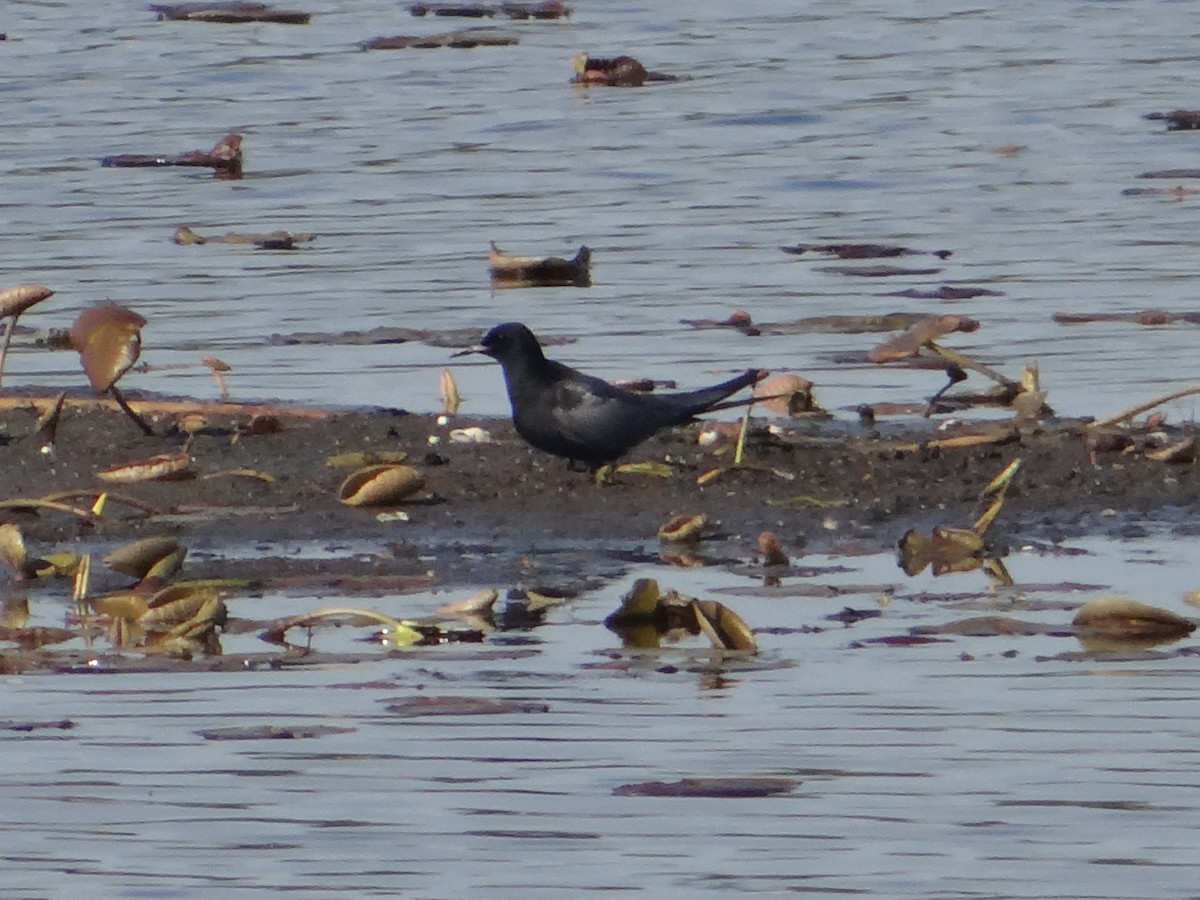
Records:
x=819, y=123
x=920, y=774
x=969, y=767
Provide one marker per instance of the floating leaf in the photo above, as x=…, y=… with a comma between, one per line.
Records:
x=1120, y=617
x=165, y=467
x=380, y=485
x=130, y=607
x=184, y=610
x=723, y=626
x=717, y=788
x=640, y=604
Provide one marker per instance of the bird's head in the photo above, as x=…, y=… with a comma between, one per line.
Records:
x=507, y=342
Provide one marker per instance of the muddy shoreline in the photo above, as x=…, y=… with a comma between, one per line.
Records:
x=502, y=512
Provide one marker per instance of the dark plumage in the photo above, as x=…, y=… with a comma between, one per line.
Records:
x=565, y=412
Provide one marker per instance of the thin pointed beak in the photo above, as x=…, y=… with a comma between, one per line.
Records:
x=474, y=348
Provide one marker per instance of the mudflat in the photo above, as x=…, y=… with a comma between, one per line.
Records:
x=261, y=477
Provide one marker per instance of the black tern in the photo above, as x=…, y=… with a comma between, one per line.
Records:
x=583, y=418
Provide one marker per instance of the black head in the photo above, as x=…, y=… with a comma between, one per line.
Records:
x=511, y=341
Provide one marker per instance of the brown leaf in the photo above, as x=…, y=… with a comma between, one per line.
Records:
x=109, y=341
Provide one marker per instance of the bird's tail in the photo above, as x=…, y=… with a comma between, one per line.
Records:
x=710, y=398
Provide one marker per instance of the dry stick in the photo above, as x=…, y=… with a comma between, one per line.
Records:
x=965, y=362
x=1144, y=407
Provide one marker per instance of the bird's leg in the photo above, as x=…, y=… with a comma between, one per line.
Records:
x=955, y=375
x=604, y=474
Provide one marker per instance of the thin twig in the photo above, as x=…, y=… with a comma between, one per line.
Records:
x=1144, y=407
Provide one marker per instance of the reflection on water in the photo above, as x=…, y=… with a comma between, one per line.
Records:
x=1009, y=765
x=961, y=767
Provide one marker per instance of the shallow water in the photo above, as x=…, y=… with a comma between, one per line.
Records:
x=853, y=123
x=968, y=767
x=920, y=774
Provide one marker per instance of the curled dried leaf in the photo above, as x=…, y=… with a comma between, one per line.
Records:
x=1183, y=452
x=15, y=300
x=683, y=528
x=380, y=485
x=1120, y=617
x=109, y=341
x=165, y=467
x=184, y=610
x=152, y=557
x=787, y=395
x=449, y=389
x=723, y=626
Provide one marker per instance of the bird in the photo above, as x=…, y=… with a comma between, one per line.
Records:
x=583, y=418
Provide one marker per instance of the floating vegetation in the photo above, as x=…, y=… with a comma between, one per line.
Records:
x=457, y=39
x=950, y=549
x=228, y=12
x=1121, y=623
x=225, y=159
x=619, y=71
x=539, y=271
x=647, y=616
x=549, y=9
x=270, y=240
x=862, y=251
x=730, y=788
x=1177, y=119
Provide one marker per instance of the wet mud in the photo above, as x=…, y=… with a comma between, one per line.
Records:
x=500, y=511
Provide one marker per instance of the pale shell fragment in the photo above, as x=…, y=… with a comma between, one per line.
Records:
x=472, y=435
